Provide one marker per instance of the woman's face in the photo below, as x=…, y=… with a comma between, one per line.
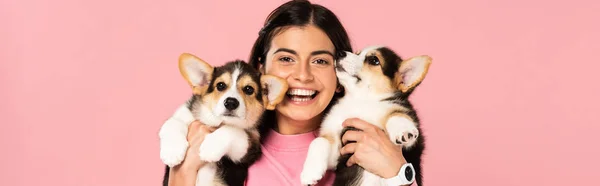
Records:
x=304, y=57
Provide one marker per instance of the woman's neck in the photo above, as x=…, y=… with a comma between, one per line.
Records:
x=287, y=126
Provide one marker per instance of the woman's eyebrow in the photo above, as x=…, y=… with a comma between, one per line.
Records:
x=318, y=52
x=314, y=53
x=285, y=50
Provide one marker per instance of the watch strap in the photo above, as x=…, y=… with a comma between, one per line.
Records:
x=406, y=176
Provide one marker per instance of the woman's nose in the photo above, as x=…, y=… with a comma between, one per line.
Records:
x=302, y=73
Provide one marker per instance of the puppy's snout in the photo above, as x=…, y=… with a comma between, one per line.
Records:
x=231, y=103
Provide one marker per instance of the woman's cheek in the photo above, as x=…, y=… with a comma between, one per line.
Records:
x=329, y=79
x=279, y=72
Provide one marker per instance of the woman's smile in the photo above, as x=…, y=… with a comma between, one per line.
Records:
x=301, y=96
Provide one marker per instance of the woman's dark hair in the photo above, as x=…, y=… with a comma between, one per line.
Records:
x=297, y=13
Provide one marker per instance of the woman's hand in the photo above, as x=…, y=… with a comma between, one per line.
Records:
x=373, y=149
x=196, y=133
x=185, y=173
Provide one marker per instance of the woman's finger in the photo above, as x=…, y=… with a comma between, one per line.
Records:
x=193, y=129
x=197, y=127
x=348, y=149
x=206, y=128
x=351, y=161
x=359, y=124
x=352, y=136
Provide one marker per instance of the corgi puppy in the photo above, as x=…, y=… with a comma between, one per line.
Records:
x=377, y=85
x=232, y=97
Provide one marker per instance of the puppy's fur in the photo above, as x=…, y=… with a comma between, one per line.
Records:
x=377, y=85
x=232, y=97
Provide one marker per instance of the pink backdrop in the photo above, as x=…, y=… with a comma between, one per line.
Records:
x=510, y=98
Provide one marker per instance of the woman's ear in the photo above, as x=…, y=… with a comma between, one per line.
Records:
x=261, y=68
x=339, y=87
x=261, y=65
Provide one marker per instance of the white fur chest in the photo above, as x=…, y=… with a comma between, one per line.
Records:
x=367, y=107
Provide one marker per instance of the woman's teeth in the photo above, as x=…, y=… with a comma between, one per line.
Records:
x=299, y=99
x=301, y=95
x=301, y=92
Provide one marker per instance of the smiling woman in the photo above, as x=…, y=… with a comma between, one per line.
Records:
x=304, y=57
x=299, y=43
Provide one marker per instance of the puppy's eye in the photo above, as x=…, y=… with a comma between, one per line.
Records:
x=248, y=90
x=221, y=86
x=373, y=60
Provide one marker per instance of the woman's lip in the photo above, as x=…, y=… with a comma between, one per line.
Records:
x=301, y=103
x=301, y=91
x=301, y=88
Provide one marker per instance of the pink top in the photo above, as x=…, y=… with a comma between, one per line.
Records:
x=282, y=161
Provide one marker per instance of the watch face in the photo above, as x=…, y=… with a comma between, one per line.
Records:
x=408, y=172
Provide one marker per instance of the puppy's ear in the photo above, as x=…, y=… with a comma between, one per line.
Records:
x=274, y=89
x=411, y=72
x=196, y=72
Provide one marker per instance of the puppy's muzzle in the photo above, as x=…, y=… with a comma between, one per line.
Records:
x=231, y=104
x=340, y=57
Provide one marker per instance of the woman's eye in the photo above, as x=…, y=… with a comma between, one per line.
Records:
x=286, y=59
x=248, y=90
x=373, y=60
x=221, y=86
x=321, y=62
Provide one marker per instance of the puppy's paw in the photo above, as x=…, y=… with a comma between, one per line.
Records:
x=172, y=151
x=212, y=149
x=402, y=131
x=313, y=172
x=407, y=138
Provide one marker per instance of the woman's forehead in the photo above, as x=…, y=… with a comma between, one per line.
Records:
x=304, y=40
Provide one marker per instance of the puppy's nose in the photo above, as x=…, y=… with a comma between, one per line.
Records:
x=231, y=103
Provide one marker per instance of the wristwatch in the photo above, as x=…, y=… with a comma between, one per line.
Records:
x=406, y=176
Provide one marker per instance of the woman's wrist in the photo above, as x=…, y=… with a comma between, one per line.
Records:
x=188, y=167
x=183, y=175
x=394, y=168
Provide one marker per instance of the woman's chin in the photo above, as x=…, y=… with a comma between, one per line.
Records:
x=299, y=114
x=303, y=110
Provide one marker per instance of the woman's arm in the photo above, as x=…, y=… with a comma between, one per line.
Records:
x=373, y=149
x=182, y=176
x=185, y=173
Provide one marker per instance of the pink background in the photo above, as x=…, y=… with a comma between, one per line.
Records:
x=510, y=98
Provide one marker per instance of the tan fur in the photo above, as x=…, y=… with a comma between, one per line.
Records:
x=212, y=98
x=383, y=83
x=405, y=86
x=185, y=58
x=270, y=105
x=247, y=81
x=401, y=112
x=254, y=109
x=329, y=138
x=254, y=136
x=380, y=57
x=218, y=181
